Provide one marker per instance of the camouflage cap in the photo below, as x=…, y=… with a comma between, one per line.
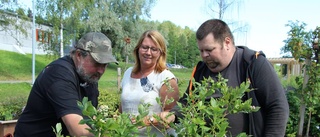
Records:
x=99, y=46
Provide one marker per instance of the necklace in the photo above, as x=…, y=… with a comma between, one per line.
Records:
x=142, y=76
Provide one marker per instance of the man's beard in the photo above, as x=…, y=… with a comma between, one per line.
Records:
x=212, y=64
x=93, y=79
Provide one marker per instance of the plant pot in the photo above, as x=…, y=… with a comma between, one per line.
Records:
x=7, y=128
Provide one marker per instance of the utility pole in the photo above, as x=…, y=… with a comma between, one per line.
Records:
x=61, y=31
x=175, y=57
x=61, y=42
x=33, y=40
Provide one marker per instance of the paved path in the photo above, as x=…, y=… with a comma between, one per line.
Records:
x=15, y=81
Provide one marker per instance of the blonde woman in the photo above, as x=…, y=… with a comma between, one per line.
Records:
x=146, y=81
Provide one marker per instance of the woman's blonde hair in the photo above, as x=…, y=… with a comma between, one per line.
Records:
x=160, y=42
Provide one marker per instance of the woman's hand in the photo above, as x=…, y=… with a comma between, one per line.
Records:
x=167, y=117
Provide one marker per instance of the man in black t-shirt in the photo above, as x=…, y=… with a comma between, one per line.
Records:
x=221, y=56
x=54, y=95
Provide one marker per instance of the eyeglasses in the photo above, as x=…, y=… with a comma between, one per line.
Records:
x=146, y=84
x=154, y=50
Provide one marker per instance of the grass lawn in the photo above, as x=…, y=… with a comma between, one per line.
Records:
x=18, y=67
x=15, y=66
x=9, y=91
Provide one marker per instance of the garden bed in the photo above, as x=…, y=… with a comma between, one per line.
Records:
x=7, y=127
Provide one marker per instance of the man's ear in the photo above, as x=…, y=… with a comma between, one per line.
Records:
x=227, y=42
x=77, y=55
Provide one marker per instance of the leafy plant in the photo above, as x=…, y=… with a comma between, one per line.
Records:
x=193, y=124
x=58, y=130
x=198, y=108
x=304, y=46
x=109, y=101
x=12, y=108
x=117, y=126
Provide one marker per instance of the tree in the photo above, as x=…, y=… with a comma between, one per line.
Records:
x=181, y=44
x=192, y=49
x=220, y=8
x=53, y=13
x=174, y=47
x=13, y=20
x=304, y=46
x=118, y=20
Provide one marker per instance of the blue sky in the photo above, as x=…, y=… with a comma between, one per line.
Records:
x=266, y=19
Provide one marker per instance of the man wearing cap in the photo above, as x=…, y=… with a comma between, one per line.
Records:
x=54, y=95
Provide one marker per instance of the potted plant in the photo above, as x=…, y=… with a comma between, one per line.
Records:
x=10, y=110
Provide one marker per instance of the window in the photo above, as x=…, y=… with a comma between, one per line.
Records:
x=42, y=36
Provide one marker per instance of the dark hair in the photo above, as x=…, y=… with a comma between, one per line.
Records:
x=83, y=53
x=218, y=28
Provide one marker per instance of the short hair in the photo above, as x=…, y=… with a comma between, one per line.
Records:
x=160, y=42
x=218, y=28
x=82, y=52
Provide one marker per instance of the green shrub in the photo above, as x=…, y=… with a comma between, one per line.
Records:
x=103, y=124
x=198, y=108
x=12, y=108
x=294, y=88
x=194, y=112
x=109, y=100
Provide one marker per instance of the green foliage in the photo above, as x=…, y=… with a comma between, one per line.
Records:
x=117, y=19
x=294, y=103
x=198, y=108
x=294, y=100
x=12, y=108
x=299, y=41
x=58, y=130
x=107, y=121
x=13, y=16
x=304, y=46
x=181, y=44
x=110, y=100
x=117, y=125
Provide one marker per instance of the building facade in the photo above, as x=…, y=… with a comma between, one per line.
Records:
x=13, y=40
